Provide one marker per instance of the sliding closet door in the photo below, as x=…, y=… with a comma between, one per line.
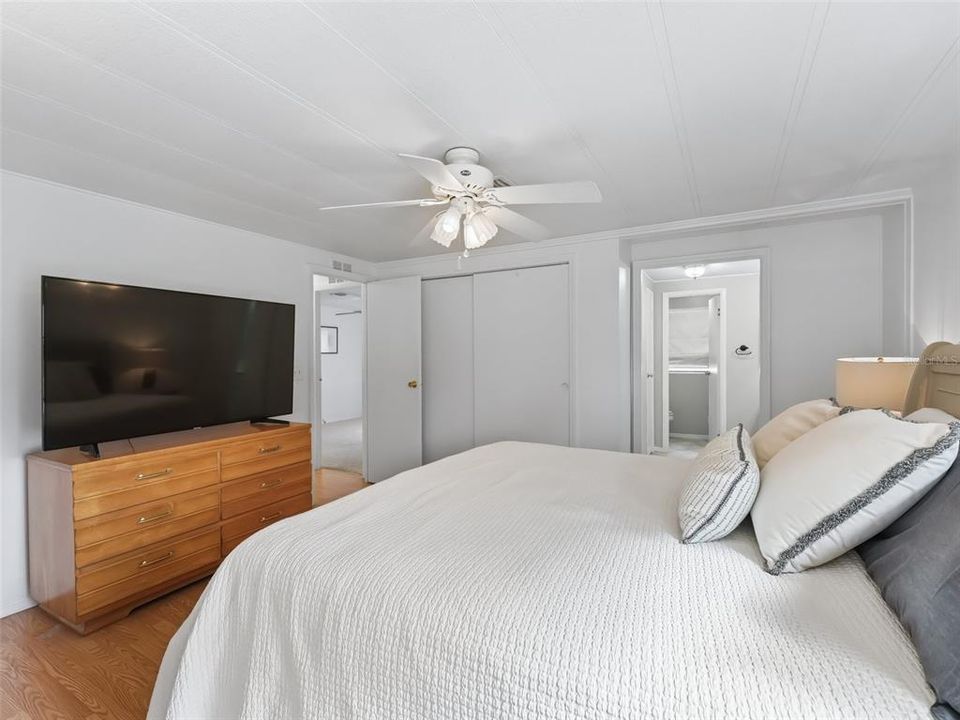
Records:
x=447, y=366
x=522, y=355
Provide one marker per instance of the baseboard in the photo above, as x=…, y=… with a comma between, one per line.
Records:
x=689, y=436
x=17, y=605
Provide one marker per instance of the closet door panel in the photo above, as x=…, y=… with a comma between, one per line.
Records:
x=447, y=366
x=522, y=355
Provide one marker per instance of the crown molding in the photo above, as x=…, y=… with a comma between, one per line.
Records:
x=853, y=203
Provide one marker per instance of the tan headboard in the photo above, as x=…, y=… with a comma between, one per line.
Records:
x=936, y=381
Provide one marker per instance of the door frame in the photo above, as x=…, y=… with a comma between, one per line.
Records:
x=314, y=395
x=758, y=253
x=665, y=358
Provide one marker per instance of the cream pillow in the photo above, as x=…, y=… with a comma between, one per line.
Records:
x=843, y=482
x=789, y=425
x=720, y=488
x=930, y=415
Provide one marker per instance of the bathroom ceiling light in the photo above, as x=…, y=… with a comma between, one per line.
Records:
x=694, y=271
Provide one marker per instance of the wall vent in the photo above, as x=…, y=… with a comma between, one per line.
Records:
x=337, y=265
x=347, y=267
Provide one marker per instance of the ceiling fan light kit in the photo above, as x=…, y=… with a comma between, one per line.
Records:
x=469, y=188
x=443, y=233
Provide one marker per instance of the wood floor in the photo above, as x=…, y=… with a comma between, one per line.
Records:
x=330, y=484
x=48, y=672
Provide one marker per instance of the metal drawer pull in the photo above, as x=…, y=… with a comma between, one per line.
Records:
x=144, y=519
x=272, y=448
x=270, y=483
x=150, y=476
x=148, y=563
x=274, y=516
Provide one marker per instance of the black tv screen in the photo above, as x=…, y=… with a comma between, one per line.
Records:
x=122, y=361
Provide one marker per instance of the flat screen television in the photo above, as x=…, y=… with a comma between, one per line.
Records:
x=121, y=361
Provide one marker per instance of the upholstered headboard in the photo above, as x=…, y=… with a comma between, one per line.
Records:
x=936, y=381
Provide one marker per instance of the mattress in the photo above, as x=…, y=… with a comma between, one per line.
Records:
x=531, y=581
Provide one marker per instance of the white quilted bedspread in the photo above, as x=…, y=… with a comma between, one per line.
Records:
x=530, y=581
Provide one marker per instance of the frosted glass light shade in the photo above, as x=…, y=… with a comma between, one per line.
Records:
x=484, y=226
x=443, y=236
x=471, y=239
x=450, y=220
x=878, y=382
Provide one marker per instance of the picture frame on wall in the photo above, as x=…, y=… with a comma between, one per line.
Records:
x=329, y=339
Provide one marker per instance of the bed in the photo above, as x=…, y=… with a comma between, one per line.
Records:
x=530, y=581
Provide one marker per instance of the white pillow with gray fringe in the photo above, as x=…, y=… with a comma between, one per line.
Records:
x=843, y=482
x=720, y=488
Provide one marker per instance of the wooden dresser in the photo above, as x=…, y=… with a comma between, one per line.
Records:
x=109, y=534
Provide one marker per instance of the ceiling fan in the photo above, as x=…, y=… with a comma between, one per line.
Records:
x=467, y=189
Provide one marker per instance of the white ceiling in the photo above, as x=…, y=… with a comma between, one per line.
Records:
x=255, y=114
x=342, y=298
x=711, y=270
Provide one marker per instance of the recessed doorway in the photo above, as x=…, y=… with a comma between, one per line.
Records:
x=338, y=414
x=699, y=353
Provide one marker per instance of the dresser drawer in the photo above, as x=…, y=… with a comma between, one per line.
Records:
x=261, y=454
x=137, y=473
x=127, y=530
x=245, y=495
x=267, y=515
x=150, y=579
x=162, y=560
x=150, y=492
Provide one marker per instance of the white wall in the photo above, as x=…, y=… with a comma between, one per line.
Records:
x=55, y=230
x=827, y=294
x=598, y=400
x=936, y=247
x=834, y=291
x=342, y=373
x=742, y=314
x=937, y=257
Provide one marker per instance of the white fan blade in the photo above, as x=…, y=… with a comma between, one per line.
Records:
x=434, y=171
x=572, y=192
x=426, y=202
x=517, y=223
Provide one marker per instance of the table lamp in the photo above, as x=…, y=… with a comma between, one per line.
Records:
x=874, y=382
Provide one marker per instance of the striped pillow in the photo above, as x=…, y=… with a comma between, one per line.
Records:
x=720, y=489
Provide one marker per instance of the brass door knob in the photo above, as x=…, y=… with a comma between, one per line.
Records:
x=412, y=384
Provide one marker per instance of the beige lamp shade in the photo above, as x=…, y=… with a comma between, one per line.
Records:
x=877, y=382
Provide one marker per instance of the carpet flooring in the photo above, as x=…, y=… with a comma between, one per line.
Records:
x=341, y=445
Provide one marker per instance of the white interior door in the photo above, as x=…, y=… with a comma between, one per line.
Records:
x=714, y=385
x=522, y=355
x=647, y=376
x=392, y=412
x=447, y=366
